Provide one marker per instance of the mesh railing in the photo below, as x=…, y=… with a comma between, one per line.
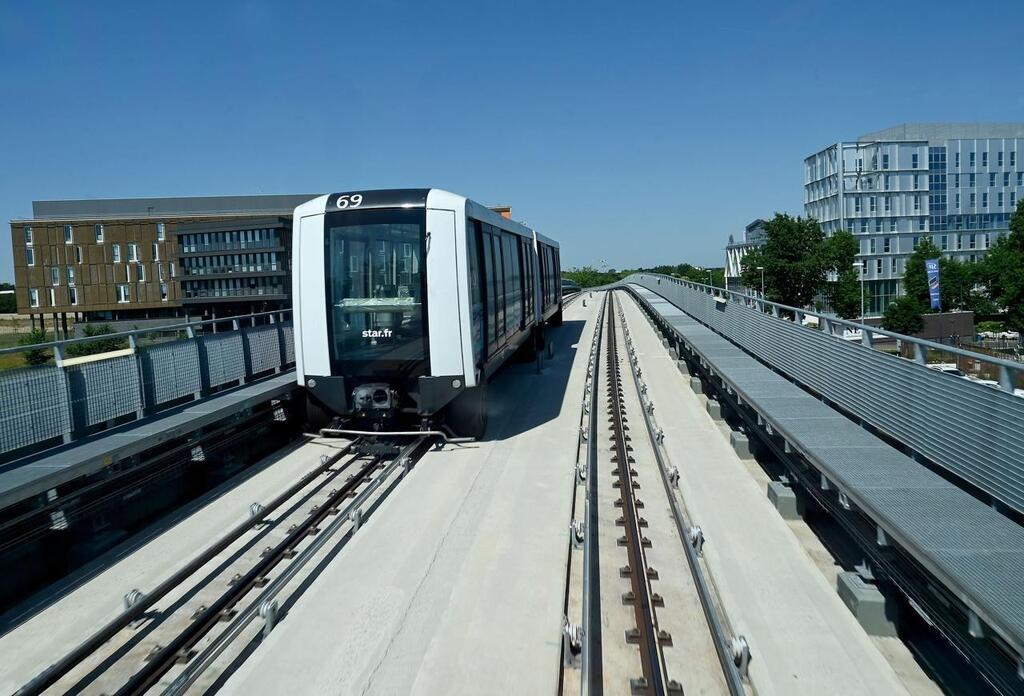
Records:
x=73, y=388
x=974, y=428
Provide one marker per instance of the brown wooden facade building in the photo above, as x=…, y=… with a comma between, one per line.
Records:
x=150, y=260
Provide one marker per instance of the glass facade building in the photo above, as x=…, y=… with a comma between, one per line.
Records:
x=955, y=183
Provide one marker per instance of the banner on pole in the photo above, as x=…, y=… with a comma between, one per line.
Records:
x=931, y=267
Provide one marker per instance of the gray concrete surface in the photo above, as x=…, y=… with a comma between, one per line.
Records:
x=740, y=444
x=784, y=499
x=803, y=639
x=456, y=586
x=874, y=611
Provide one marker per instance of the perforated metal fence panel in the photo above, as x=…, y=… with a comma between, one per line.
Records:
x=33, y=406
x=170, y=371
x=103, y=390
x=974, y=431
x=288, y=342
x=263, y=348
x=222, y=359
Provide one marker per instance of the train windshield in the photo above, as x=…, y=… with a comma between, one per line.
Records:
x=375, y=289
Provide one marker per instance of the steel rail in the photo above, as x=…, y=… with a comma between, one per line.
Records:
x=51, y=674
x=592, y=683
x=722, y=639
x=197, y=666
x=647, y=635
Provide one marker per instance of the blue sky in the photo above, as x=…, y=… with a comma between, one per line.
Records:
x=633, y=133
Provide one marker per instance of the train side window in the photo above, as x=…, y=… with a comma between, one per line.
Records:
x=475, y=289
x=511, y=312
x=491, y=295
x=499, y=288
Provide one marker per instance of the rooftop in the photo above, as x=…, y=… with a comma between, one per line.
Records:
x=101, y=208
x=939, y=133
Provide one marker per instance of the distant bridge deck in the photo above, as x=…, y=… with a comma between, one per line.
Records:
x=971, y=548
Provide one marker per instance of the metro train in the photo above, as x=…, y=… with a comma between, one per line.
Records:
x=406, y=301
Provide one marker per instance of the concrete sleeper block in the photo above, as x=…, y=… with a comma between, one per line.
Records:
x=714, y=409
x=740, y=444
x=785, y=501
x=696, y=385
x=875, y=612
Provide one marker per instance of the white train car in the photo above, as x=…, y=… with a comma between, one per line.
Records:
x=406, y=301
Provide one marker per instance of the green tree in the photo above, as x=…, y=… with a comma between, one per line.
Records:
x=38, y=356
x=751, y=276
x=793, y=258
x=904, y=316
x=840, y=251
x=589, y=277
x=915, y=278
x=1004, y=270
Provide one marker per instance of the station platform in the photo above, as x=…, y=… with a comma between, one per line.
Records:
x=970, y=548
x=24, y=478
x=458, y=587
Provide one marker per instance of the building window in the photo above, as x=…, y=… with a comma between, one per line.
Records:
x=33, y=297
x=1020, y=178
x=115, y=253
x=892, y=224
x=921, y=224
x=984, y=200
x=914, y=242
x=863, y=226
x=28, y=235
x=992, y=179
x=69, y=234
x=128, y=272
x=1013, y=158
x=160, y=271
x=1006, y=178
x=972, y=159
x=888, y=204
x=972, y=180
x=172, y=269
x=53, y=297
x=156, y=252
x=917, y=181
x=142, y=273
x=984, y=158
x=78, y=254
x=886, y=245
x=54, y=275
x=133, y=251
x=856, y=206
x=878, y=266
x=885, y=162
x=974, y=198
x=958, y=201
x=161, y=231
x=944, y=242
x=72, y=296
x=956, y=181
x=958, y=160
x=71, y=275
x=959, y=242
x=892, y=265
x=913, y=161
x=1013, y=199
x=999, y=159
x=983, y=240
x=917, y=202
x=999, y=199
x=98, y=229
x=123, y=294
x=30, y=256
x=163, y=292
x=887, y=184
x=878, y=225
x=871, y=246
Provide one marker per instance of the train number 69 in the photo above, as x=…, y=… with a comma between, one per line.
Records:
x=350, y=201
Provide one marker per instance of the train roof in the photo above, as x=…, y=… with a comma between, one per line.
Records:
x=416, y=198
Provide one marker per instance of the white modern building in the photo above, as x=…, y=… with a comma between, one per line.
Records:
x=753, y=236
x=955, y=182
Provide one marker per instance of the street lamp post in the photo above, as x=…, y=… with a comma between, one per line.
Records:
x=859, y=265
x=711, y=278
x=761, y=268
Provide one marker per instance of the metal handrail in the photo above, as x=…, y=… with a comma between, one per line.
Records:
x=135, y=333
x=921, y=345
